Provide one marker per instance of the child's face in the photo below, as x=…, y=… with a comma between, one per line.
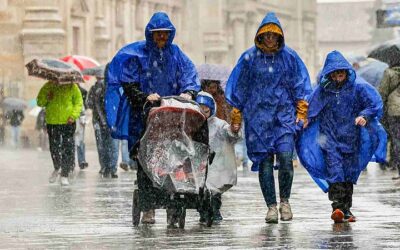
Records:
x=212, y=88
x=206, y=110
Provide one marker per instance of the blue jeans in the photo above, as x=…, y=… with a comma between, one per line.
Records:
x=285, y=177
x=125, y=153
x=107, y=148
x=15, y=136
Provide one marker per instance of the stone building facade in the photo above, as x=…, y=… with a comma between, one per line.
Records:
x=212, y=31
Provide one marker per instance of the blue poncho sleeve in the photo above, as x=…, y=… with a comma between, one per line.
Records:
x=236, y=87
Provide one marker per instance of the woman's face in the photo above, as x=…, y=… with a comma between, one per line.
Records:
x=270, y=39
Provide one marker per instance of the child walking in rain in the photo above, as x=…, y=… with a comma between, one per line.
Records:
x=338, y=108
x=222, y=173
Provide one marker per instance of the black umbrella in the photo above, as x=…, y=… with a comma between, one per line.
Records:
x=388, y=52
x=214, y=72
x=96, y=71
x=12, y=103
x=54, y=70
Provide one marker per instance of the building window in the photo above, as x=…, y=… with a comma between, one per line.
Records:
x=75, y=40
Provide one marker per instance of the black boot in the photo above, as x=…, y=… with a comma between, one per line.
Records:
x=348, y=215
x=337, y=194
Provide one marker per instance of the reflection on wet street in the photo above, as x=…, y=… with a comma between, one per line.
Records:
x=96, y=213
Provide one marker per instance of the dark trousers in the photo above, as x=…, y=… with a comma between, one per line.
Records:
x=62, y=146
x=285, y=177
x=341, y=195
x=394, y=132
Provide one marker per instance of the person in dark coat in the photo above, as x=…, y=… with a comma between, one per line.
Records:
x=107, y=147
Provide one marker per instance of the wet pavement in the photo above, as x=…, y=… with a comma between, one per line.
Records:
x=95, y=213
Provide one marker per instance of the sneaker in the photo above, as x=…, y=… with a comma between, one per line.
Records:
x=148, y=217
x=217, y=216
x=348, y=216
x=53, y=176
x=337, y=216
x=285, y=211
x=114, y=176
x=83, y=165
x=124, y=166
x=272, y=215
x=64, y=181
x=396, y=177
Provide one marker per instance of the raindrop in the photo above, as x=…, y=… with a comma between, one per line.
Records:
x=155, y=64
x=246, y=57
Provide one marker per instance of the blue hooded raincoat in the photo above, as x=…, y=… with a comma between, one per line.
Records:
x=332, y=148
x=266, y=88
x=167, y=71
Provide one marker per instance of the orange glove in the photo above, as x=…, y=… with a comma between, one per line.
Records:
x=301, y=110
x=236, y=116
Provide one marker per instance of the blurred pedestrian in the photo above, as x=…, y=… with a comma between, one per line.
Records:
x=389, y=90
x=42, y=130
x=80, y=133
x=107, y=147
x=63, y=104
x=16, y=117
x=269, y=85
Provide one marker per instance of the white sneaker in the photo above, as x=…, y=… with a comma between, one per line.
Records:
x=272, y=215
x=64, y=181
x=53, y=176
x=286, y=211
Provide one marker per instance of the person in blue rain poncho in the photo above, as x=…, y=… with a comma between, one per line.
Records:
x=339, y=109
x=143, y=72
x=269, y=85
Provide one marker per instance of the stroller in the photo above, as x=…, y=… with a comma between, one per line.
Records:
x=173, y=162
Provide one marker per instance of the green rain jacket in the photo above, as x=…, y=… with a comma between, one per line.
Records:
x=67, y=102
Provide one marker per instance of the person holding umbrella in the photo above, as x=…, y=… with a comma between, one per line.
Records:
x=269, y=85
x=63, y=103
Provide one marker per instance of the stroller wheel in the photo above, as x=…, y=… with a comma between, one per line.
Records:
x=182, y=218
x=135, y=208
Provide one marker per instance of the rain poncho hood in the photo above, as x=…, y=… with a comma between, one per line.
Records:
x=332, y=113
x=206, y=99
x=167, y=71
x=266, y=88
x=270, y=23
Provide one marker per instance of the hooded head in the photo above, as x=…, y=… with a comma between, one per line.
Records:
x=204, y=98
x=269, y=37
x=335, y=63
x=159, y=22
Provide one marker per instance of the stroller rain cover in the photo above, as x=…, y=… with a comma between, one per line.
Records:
x=169, y=156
